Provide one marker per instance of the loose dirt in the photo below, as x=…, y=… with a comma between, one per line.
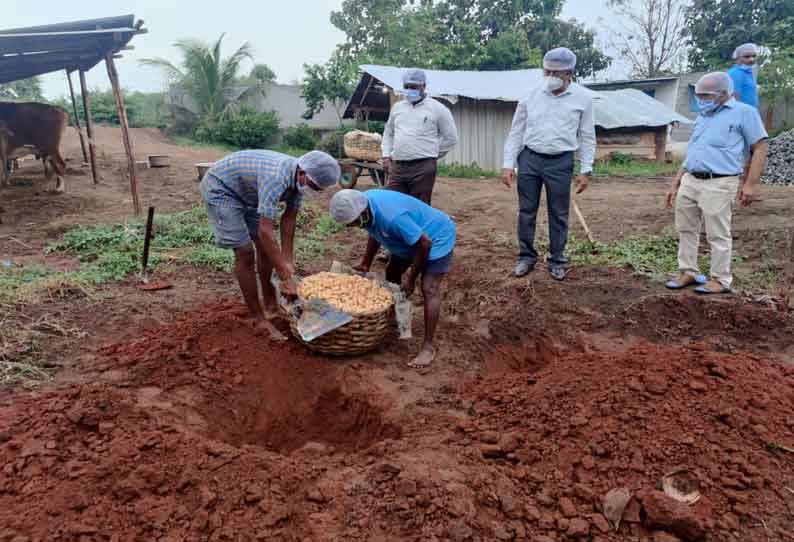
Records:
x=173, y=419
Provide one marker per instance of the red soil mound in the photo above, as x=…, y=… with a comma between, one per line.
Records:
x=249, y=389
x=203, y=430
x=573, y=427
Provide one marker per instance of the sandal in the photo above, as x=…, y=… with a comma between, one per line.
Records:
x=683, y=281
x=712, y=287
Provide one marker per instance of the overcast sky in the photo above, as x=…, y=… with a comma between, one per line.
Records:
x=285, y=34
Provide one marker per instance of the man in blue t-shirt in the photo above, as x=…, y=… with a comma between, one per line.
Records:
x=744, y=86
x=420, y=239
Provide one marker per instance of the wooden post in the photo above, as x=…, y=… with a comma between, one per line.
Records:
x=113, y=75
x=76, y=117
x=660, y=138
x=89, y=126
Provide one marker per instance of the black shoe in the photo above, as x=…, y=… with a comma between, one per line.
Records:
x=558, y=273
x=523, y=268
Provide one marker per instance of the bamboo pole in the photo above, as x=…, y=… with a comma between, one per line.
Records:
x=113, y=75
x=89, y=126
x=76, y=116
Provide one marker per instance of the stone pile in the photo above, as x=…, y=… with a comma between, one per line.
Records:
x=780, y=163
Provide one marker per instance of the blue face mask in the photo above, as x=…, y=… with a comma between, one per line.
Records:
x=707, y=106
x=745, y=67
x=412, y=95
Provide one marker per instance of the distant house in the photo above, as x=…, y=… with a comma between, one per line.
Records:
x=483, y=103
x=285, y=100
x=676, y=92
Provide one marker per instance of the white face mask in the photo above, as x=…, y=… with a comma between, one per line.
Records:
x=553, y=83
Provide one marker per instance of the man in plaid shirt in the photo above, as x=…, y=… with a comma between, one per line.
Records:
x=243, y=193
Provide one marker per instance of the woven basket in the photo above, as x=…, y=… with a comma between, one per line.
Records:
x=361, y=335
x=363, y=146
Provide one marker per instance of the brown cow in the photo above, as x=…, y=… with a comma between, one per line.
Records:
x=37, y=125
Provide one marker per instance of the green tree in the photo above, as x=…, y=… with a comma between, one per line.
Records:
x=717, y=27
x=263, y=73
x=776, y=79
x=462, y=34
x=144, y=110
x=24, y=90
x=332, y=83
x=205, y=74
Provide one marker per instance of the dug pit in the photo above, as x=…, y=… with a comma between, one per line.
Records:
x=232, y=383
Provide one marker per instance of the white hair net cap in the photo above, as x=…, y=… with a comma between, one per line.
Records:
x=321, y=168
x=559, y=59
x=347, y=205
x=414, y=77
x=746, y=49
x=714, y=83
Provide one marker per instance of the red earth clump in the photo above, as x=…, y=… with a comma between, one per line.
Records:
x=205, y=430
x=574, y=426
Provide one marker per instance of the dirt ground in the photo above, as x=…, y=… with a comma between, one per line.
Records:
x=171, y=419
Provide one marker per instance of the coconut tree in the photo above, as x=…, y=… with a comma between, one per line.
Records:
x=204, y=74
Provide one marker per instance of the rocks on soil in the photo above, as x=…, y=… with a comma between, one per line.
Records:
x=780, y=160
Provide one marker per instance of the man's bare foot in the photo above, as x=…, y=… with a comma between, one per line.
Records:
x=275, y=334
x=424, y=358
x=275, y=313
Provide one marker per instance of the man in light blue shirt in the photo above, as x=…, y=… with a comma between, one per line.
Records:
x=726, y=154
x=745, y=88
x=420, y=239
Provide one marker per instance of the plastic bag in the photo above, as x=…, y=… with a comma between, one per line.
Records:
x=314, y=318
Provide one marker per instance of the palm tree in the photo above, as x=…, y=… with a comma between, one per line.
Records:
x=204, y=74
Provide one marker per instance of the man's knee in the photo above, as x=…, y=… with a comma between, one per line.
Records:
x=431, y=285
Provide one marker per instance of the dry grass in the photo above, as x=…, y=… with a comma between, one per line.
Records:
x=21, y=357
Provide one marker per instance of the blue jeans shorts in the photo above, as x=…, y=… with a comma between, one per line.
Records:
x=439, y=266
x=233, y=223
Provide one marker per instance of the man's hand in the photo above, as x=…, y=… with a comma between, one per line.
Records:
x=409, y=283
x=748, y=194
x=508, y=176
x=582, y=181
x=289, y=289
x=669, y=199
x=386, y=164
x=362, y=267
x=286, y=271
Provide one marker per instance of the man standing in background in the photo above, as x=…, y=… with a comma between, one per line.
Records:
x=554, y=120
x=745, y=88
x=420, y=130
x=728, y=138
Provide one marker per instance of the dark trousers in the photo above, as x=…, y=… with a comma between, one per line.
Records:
x=415, y=178
x=536, y=171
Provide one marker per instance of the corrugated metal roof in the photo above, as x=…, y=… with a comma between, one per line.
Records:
x=613, y=109
x=32, y=51
x=630, y=107
x=507, y=86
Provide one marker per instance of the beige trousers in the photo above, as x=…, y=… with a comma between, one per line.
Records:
x=709, y=202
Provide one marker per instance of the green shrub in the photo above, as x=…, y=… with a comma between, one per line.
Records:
x=246, y=129
x=472, y=171
x=301, y=136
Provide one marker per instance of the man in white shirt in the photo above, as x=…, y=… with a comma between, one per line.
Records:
x=420, y=130
x=552, y=122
